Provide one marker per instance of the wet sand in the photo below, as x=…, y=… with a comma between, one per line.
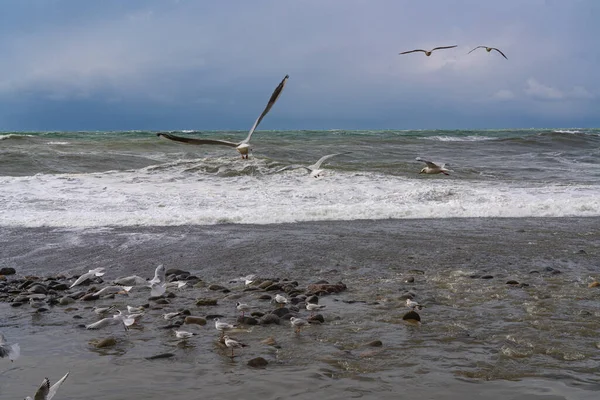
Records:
x=461, y=348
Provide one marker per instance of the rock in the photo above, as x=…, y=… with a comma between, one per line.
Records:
x=415, y=272
x=265, y=284
x=274, y=287
x=58, y=286
x=316, y=318
x=313, y=299
x=534, y=272
x=269, y=319
x=270, y=341
x=37, y=288
x=375, y=343
x=487, y=277
x=594, y=284
x=549, y=269
x=410, y=279
x=206, y=302
x=247, y=320
x=216, y=287
x=90, y=297
x=475, y=276
x=159, y=356
x=77, y=317
x=411, y=316
x=265, y=297
x=512, y=282
x=210, y=317
x=257, y=314
x=556, y=272
x=16, y=304
x=258, y=362
x=103, y=343
x=325, y=288
x=407, y=295
x=176, y=271
x=194, y=320
x=7, y=271
x=281, y=311
x=65, y=301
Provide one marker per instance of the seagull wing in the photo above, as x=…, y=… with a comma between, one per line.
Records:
x=82, y=279
x=42, y=392
x=272, y=100
x=160, y=274
x=413, y=51
x=197, y=141
x=2, y=339
x=478, y=47
x=157, y=289
x=54, y=388
x=317, y=165
x=429, y=163
x=493, y=48
x=444, y=47
x=101, y=324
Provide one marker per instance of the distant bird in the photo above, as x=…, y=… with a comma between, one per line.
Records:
x=184, y=334
x=433, y=168
x=115, y=289
x=47, y=392
x=428, y=53
x=172, y=315
x=314, y=169
x=488, y=49
x=242, y=147
x=116, y=319
x=298, y=323
x=281, y=300
x=242, y=307
x=88, y=275
x=104, y=310
x=159, y=275
x=312, y=307
x=413, y=304
x=132, y=310
x=222, y=326
x=12, y=351
x=232, y=343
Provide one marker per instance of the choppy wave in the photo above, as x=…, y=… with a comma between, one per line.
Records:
x=471, y=138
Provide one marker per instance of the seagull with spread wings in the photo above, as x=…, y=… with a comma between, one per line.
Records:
x=242, y=147
x=433, y=168
x=488, y=49
x=428, y=52
x=314, y=169
x=47, y=392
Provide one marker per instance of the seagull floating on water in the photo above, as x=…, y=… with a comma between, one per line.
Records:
x=88, y=275
x=433, y=168
x=232, y=343
x=47, y=392
x=488, y=49
x=12, y=351
x=242, y=147
x=428, y=52
x=184, y=334
x=314, y=169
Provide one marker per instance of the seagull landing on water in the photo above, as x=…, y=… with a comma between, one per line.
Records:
x=315, y=169
x=89, y=275
x=12, y=351
x=488, y=49
x=47, y=392
x=242, y=147
x=428, y=52
x=433, y=168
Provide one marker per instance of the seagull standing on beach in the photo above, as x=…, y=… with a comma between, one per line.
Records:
x=47, y=392
x=231, y=343
x=88, y=275
x=488, y=49
x=314, y=169
x=433, y=168
x=12, y=351
x=242, y=147
x=428, y=52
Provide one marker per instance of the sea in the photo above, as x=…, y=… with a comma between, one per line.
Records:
x=133, y=178
x=502, y=253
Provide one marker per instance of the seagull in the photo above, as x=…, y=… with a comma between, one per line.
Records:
x=315, y=169
x=132, y=280
x=242, y=307
x=298, y=323
x=433, y=168
x=114, y=320
x=242, y=147
x=176, y=284
x=104, y=310
x=184, y=334
x=281, y=300
x=47, y=392
x=157, y=289
x=172, y=315
x=248, y=279
x=88, y=275
x=231, y=343
x=488, y=49
x=312, y=307
x=12, y=351
x=160, y=274
x=113, y=290
x=222, y=326
x=39, y=304
x=428, y=53
x=132, y=310
x=413, y=304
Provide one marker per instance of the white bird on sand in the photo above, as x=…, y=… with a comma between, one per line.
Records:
x=88, y=275
x=103, y=310
x=113, y=290
x=242, y=147
x=243, y=307
x=281, y=300
x=314, y=169
x=232, y=343
x=428, y=52
x=223, y=326
x=413, y=304
x=12, y=351
x=298, y=323
x=184, y=334
x=47, y=392
x=488, y=49
x=312, y=307
x=433, y=168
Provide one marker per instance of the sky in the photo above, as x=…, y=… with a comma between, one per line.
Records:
x=212, y=65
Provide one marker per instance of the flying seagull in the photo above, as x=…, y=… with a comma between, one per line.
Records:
x=428, y=53
x=433, y=168
x=47, y=392
x=488, y=49
x=242, y=147
x=315, y=169
x=12, y=351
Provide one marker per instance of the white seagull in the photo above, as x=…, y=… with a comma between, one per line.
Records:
x=184, y=334
x=312, y=307
x=488, y=49
x=223, y=326
x=88, y=275
x=12, y=351
x=298, y=323
x=113, y=290
x=132, y=310
x=433, y=168
x=243, y=307
x=314, y=169
x=242, y=147
x=47, y=392
x=413, y=304
x=232, y=343
x=159, y=275
x=428, y=52
x=103, y=310
x=116, y=319
x=281, y=300
x=172, y=315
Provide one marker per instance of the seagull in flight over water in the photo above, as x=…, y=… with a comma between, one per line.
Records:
x=433, y=168
x=488, y=49
x=47, y=392
x=315, y=169
x=428, y=52
x=242, y=147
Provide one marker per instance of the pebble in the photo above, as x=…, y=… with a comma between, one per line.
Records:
x=316, y=318
x=206, y=302
x=375, y=343
x=258, y=362
x=410, y=279
x=102, y=343
x=216, y=287
x=194, y=320
x=269, y=319
x=7, y=271
x=411, y=316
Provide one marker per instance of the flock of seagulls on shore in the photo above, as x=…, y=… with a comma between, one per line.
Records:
x=314, y=170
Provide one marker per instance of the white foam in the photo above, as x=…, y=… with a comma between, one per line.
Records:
x=471, y=138
x=172, y=196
